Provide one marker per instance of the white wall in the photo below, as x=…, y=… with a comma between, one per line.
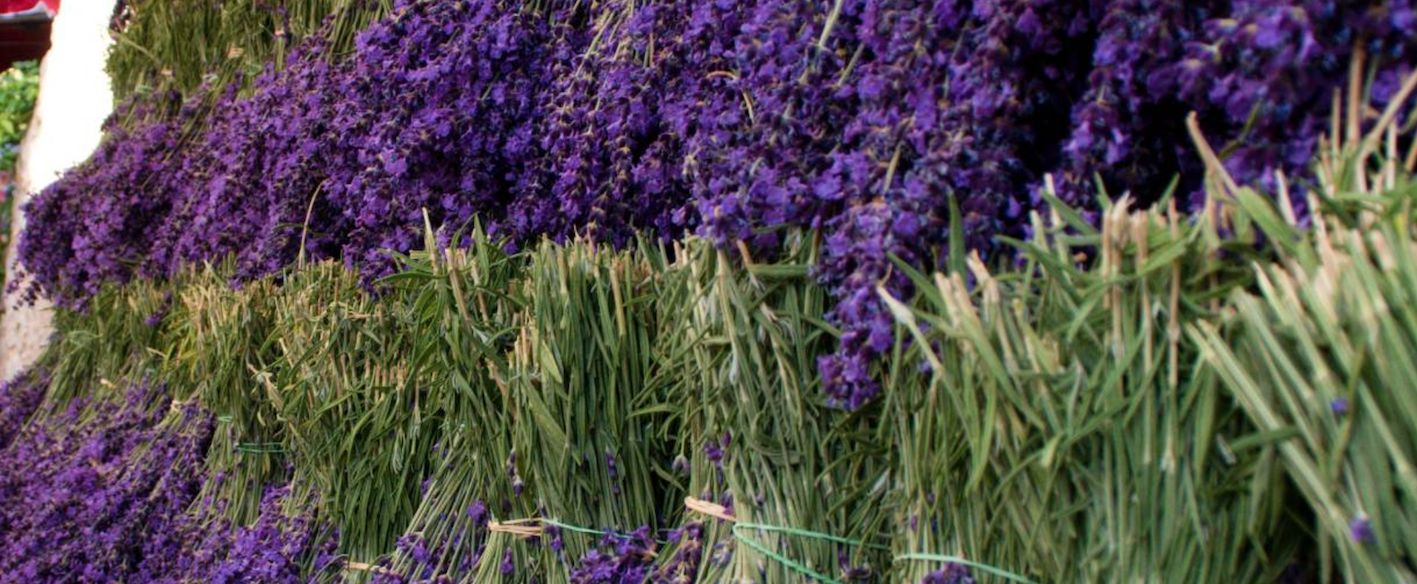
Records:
x=74, y=99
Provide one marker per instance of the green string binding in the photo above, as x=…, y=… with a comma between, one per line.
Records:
x=261, y=447
x=589, y=531
x=784, y=560
x=254, y=447
x=958, y=560
x=806, y=571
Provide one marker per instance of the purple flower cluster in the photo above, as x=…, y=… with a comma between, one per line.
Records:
x=89, y=494
x=620, y=560
x=608, y=165
x=20, y=397
x=865, y=119
x=435, y=111
x=438, y=111
x=683, y=567
x=453, y=554
x=103, y=491
x=281, y=547
x=1361, y=530
x=96, y=223
x=1260, y=74
x=950, y=574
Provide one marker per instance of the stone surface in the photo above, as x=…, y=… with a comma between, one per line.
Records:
x=74, y=99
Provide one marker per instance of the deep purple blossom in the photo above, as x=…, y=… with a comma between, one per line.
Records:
x=478, y=513
x=1361, y=530
x=156, y=317
x=280, y=547
x=683, y=567
x=20, y=397
x=89, y=493
x=950, y=574
x=618, y=560
x=508, y=566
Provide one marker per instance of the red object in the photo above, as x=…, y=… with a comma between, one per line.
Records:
x=24, y=29
x=27, y=9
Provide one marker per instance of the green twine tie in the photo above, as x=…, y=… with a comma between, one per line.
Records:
x=958, y=560
x=253, y=447
x=784, y=560
x=261, y=447
x=589, y=531
x=806, y=571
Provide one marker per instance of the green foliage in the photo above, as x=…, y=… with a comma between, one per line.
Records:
x=19, y=86
x=1320, y=356
x=185, y=45
x=750, y=335
x=1065, y=432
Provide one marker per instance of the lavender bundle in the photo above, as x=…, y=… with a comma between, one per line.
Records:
x=218, y=344
x=20, y=398
x=358, y=408
x=1320, y=352
x=94, y=491
x=787, y=488
x=467, y=316
x=591, y=435
x=1053, y=426
x=284, y=544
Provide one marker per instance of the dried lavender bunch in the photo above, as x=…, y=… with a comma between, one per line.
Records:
x=285, y=545
x=91, y=491
x=20, y=398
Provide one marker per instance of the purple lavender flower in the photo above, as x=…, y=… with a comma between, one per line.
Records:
x=508, y=566
x=557, y=543
x=1361, y=531
x=478, y=513
x=120, y=466
x=158, y=315
x=950, y=574
x=20, y=397
x=684, y=565
x=618, y=560
x=714, y=452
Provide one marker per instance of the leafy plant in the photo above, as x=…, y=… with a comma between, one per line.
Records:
x=19, y=86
